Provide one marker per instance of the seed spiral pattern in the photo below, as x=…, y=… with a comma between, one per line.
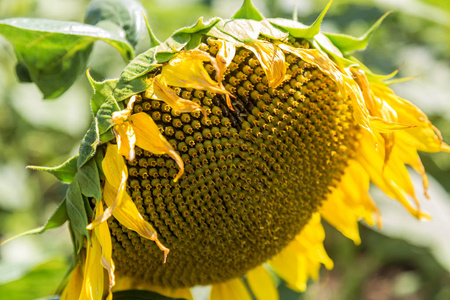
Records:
x=253, y=175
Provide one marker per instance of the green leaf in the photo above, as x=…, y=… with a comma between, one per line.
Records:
x=89, y=180
x=140, y=295
x=188, y=37
x=153, y=39
x=64, y=172
x=89, y=143
x=123, y=17
x=141, y=65
x=58, y=218
x=348, y=44
x=321, y=42
x=107, y=136
x=104, y=114
x=245, y=31
x=36, y=283
x=125, y=90
x=55, y=53
x=102, y=90
x=75, y=208
x=248, y=11
x=299, y=30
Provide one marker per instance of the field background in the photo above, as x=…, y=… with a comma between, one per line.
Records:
x=407, y=260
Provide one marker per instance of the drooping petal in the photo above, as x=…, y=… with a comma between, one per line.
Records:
x=349, y=202
x=114, y=193
x=103, y=235
x=148, y=137
x=93, y=279
x=224, y=56
x=126, y=139
x=272, y=61
x=302, y=258
x=73, y=288
x=123, y=131
x=186, y=70
x=262, y=284
x=231, y=289
x=160, y=91
x=392, y=178
x=424, y=136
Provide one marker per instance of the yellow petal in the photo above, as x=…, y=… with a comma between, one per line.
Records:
x=148, y=137
x=161, y=91
x=186, y=70
x=272, y=61
x=128, y=215
x=103, y=235
x=342, y=78
x=349, y=202
x=262, y=284
x=231, y=289
x=114, y=195
x=93, y=279
x=126, y=139
x=392, y=178
x=73, y=288
x=224, y=56
x=302, y=258
x=424, y=136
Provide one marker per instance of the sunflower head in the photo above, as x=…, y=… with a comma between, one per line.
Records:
x=225, y=145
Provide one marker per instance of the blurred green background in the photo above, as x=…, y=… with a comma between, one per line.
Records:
x=406, y=260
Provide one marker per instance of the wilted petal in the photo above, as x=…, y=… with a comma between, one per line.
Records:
x=114, y=195
x=93, y=279
x=186, y=70
x=103, y=235
x=272, y=61
x=160, y=91
x=148, y=137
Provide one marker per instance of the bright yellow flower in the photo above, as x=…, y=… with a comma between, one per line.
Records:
x=270, y=134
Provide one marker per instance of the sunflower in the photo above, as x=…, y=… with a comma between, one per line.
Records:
x=215, y=156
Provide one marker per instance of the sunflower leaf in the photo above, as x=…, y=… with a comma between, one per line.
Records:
x=299, y=30
x=125, y=90
x=89, y=144
x=140, y=65
x=188, y=37
x=89, y=181
x=140, y=294
x=76, y=209
x=102, y=90
x=248, y=11
x=104, y=114
x=64, y=172
x=348, y=44
x=58, y=218
x=55, y=53
x=123, y=17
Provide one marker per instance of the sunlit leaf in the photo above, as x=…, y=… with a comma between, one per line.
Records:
x=58, y=218
x=64, y=172
x=248, y=11
x=55, y=53
x=348, y=44
x=119, y=16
